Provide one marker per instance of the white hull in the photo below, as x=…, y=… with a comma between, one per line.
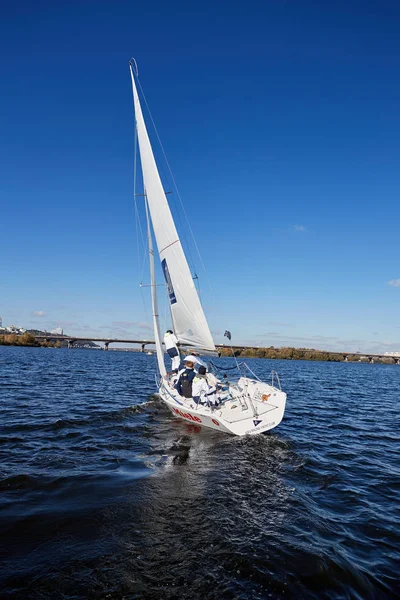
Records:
x=244, y=413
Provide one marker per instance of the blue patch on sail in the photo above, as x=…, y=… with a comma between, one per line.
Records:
x=256, y=422
x=171, y=293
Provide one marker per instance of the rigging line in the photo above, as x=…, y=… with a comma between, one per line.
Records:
x=197, y=284
x=173, y=181
x=141, y=264
x=139, y=231
x=147, y=246
x=226, y=368
x=146, y=315
x=139, y=226
x=145, y=254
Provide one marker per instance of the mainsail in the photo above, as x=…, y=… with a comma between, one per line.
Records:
x=189, y=322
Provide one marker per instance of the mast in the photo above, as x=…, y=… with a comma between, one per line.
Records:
x=154, y=302
x=189, y=322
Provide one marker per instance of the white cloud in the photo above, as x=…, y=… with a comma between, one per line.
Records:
x=299, y=228
x=394, y=282
x=38, y=313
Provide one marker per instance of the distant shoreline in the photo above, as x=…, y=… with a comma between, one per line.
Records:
x=29, y=340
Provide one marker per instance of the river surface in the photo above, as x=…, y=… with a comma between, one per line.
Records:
x=105, y=495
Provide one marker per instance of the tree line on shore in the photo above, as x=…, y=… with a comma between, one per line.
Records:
x=301, y=354
x=26, y=339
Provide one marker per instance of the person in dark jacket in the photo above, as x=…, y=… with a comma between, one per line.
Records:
x=184, y=383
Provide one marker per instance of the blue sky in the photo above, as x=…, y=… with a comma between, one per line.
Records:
x=281, y=122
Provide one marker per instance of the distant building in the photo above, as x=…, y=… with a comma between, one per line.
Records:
x=58, y=331
x=392, y=354
x=11, y=328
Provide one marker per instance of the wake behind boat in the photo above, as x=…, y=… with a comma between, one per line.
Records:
x=244, y=406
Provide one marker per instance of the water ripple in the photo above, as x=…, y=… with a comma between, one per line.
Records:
x=104, y=495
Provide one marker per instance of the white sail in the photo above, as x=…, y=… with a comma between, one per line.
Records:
x=156, y=324
x=189, y=322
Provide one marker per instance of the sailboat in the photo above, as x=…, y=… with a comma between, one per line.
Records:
x=247, y=405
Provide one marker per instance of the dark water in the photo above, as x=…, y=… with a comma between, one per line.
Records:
x=103, y=494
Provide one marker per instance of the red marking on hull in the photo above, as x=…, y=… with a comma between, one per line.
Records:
x=187, y=416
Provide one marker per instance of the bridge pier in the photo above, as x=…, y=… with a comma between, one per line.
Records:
x=106, y=344
x=70, y=344
x=143, y=347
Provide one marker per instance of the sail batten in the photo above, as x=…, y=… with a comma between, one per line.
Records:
x=189, y=322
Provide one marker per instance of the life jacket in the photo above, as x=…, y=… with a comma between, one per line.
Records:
x=184, y=385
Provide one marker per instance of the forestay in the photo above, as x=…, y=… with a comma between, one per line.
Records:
x=188, y=318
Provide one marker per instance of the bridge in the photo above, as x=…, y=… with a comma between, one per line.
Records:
x=71, y=340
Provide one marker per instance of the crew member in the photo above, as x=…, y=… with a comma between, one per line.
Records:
x=185, y=381
x=203, y=393
x=171, y=345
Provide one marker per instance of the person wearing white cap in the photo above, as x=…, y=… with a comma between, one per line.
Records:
x=195, y=359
